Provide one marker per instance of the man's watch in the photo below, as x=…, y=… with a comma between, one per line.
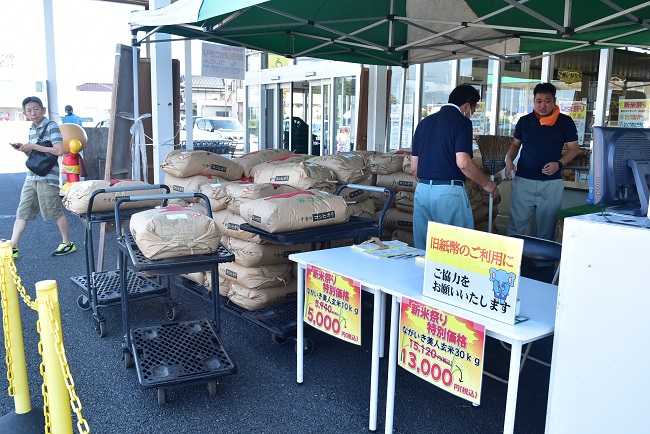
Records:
x=560, y=164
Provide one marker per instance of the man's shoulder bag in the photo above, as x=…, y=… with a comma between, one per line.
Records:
x=41, y=162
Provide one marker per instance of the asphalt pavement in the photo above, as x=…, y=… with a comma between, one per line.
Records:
x=263, y=396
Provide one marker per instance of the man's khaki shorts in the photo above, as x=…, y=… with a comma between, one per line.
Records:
x=39, y=196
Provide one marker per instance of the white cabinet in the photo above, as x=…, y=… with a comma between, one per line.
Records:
x=600, y=374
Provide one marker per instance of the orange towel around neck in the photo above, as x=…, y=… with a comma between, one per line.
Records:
x=550, y=120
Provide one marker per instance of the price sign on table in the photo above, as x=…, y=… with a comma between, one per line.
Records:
x=443, y=349
x=333, y=304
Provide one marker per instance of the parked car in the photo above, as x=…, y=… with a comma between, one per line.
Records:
x=219, y=128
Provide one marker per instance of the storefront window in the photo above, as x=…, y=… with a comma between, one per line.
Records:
x=517, y=83
x=253, y=62
x=478, y=73
x=629, y=90
x=345, y=112
x=437, y=87
x=253, y=117
x=396, y=108
x=576, y=92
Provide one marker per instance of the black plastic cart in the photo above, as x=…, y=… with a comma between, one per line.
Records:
x=221, y=147
x=173, y=354
x=280, y=320
x=102, y=289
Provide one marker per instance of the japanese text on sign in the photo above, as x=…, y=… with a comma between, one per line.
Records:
x=441, y=348
x=223, y=61
x=333, y=304
x=634, y=113
x=473, y=270
x=475, y=251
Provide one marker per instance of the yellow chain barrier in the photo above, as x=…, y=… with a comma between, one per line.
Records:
x=5, y=327
x=46, y=400
x=82, y=424
x=19, y=286
x=55, y=329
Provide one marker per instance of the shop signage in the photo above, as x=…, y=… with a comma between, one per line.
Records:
x=333, y=304
x=407, y=126
x=479, y=121
x=634, y=113
x=443, y=349
x=473, y=270
x=577, y=110
x=223, y=61
x=569, y=76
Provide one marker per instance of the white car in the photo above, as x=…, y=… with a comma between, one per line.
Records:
x=219, y=128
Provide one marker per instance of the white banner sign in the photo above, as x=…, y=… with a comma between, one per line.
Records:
x=223, y=61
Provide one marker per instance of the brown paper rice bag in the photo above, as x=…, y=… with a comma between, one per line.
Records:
x=348, y=167
x=174, y=231
x=250, y=254
x=263, y=276
x=300, y=175
x=295, y=211
x=252, y=159
x=77, y=197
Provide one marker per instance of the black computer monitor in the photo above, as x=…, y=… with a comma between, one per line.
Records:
x=621, y=169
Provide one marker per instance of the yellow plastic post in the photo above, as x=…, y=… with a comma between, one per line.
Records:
x=14, y=330
x=57, y=392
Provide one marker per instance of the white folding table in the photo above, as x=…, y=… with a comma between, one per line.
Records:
x=538, y=301
x=372, y=274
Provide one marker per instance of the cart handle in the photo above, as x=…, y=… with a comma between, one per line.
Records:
x=163, y=197
x=118, y=189
x=388, y=191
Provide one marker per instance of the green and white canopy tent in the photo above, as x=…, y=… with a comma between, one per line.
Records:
x=404, y=32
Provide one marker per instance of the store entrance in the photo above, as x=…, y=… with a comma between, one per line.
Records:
x=297, y=134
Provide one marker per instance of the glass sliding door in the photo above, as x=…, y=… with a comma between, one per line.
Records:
x=252, y=118
x=345, y=112
x=316, y=117
x=396, y=114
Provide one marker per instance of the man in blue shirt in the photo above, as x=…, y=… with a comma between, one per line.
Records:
x=441, y=160
x=71, y=118
x=537, y=177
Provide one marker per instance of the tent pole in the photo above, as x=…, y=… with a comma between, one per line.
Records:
x=401, y=117
x=135, y=45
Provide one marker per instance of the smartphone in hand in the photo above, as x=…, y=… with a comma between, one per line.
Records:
x=16, y=145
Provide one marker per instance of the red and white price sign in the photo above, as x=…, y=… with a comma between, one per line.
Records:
x=333, y=304
x=443, y=349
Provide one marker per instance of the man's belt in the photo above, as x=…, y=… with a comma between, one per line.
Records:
x=457, y=182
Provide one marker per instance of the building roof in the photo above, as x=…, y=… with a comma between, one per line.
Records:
x=95, y=87
x=201, y=82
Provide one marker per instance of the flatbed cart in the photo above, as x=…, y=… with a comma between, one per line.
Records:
x=280, y=320
x=173, y=354
x=102, y=289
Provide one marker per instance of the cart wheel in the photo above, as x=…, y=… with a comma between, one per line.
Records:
x=308, y=347
x=83, y=302
x=171, y=311
x=212, y=387
x=279, y=340
x=128, y=359
x=162, y=396
x=100, y=327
